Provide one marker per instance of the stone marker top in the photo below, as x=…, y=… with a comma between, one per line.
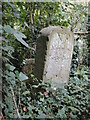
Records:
x=48, y=30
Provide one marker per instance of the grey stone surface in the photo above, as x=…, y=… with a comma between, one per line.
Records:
x=54, y=54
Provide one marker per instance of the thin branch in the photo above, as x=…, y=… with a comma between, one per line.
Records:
x=81, y=33
x=15, y=101
x=77, y=21
x=19, y=103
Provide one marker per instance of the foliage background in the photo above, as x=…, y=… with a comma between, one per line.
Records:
x=20, y=28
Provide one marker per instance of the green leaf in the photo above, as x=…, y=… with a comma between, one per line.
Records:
x=26, y=92
x=10, y=67
x=42, y=99
x=22, y=77
x=19, y=36
x=12, y=5
x=26, y=116
x=17, y=73
x=32, y=76
x=19, y=33
x=41, y=115
x=12, y=75
x=66, y=1
x=1, y=27
x=73, y=108
x=35, y=86
x=26, y=24
x=16, y=15
x=60, y=8
x=8, y=29
x=30, y=108
x=7, y=48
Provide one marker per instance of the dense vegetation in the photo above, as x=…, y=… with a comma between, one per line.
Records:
x=35, y=99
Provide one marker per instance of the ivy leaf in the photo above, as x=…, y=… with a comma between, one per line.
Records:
x=10, y=67
x=12, y=75
x=16, y=15
x=35, y=86
x=26, y=92
x=73, y=108
x=22, y=77
x=41, y=115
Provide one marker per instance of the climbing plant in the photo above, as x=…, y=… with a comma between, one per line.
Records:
x=20, y=27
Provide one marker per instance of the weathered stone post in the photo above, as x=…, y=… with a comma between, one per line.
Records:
x=54, y=54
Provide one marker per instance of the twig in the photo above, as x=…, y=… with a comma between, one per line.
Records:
x=15, y=101
x=81, y=33
x=77, y=21
x=19, y=103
